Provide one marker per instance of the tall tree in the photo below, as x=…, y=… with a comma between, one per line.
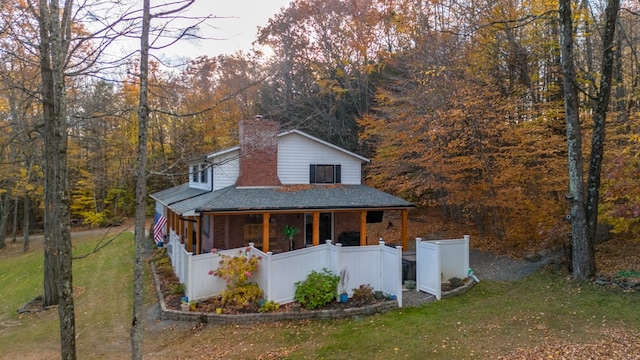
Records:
x=55, y=30
x=137, y=323
x=584, y=205
x=163, y=11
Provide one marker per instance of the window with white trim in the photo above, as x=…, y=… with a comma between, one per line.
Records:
x=194, y=173
x=325, y=174
x=200, y=173
x=203, y=173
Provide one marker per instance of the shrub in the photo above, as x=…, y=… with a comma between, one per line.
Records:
x=158, y=254
x=162, y=261
x=364, y=293
x=177, y=289
x=236, y=270
x=317, y=290
x=240, y=294
x=455, y=282
x=243, y=297
x=269, y=306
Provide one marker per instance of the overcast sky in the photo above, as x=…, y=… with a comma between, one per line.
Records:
x=234, y=29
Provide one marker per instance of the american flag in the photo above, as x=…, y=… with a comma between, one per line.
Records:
x=159, y=221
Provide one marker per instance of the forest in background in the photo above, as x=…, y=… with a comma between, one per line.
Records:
x=459, y=105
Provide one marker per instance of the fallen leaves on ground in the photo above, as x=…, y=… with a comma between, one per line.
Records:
x=615, y=344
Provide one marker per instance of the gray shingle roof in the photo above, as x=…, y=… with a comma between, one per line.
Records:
x=177, y=194
x=298, y=197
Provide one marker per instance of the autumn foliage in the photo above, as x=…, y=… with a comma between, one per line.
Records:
x=460, y=111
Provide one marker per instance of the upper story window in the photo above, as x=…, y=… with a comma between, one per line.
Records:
x=203, y=173
x=199, y=173
x=194, y=173
x=324, y=174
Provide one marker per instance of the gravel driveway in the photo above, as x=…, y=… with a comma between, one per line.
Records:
x=486, y=266
x=494, y=267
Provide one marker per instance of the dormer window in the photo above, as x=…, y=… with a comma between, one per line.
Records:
x=324, y=174
x=194, y=173
x=199, y=173
x=203, y=173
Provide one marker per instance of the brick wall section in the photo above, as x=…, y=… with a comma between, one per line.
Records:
x=258, y=153
x=346, y=221
x=236, y=231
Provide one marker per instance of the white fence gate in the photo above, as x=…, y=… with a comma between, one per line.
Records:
x=440, y=260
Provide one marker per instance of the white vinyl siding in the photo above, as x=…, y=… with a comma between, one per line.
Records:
x=296, y=153
x=225, y=170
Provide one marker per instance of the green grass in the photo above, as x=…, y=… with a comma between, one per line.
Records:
x=21, y=279
x=490, y=320
x=102, y=291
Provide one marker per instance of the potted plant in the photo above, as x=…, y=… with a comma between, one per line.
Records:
x=184, y=306
x=289, y=232
x=342, y=285
x=410, y=284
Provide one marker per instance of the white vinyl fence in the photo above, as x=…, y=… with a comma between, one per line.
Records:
x=377, y=265
x=440, y=260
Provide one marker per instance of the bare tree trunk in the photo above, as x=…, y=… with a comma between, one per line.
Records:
x=46, y=72
x=584, y=209
x=137, y=324
x=25, y=225
x=599, y=120
x=582, y=254
x=5, y=210
x=14, y=230
x=55, y=28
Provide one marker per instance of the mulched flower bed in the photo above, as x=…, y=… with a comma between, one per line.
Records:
x=210, y=305
x=169, y=284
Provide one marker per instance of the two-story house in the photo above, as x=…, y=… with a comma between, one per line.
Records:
x=249, y=194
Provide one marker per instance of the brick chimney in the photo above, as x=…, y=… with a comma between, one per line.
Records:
x=258, y=153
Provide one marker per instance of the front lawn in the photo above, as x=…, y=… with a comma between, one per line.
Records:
x=491, y=320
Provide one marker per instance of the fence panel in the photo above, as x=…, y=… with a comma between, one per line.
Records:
x=392, y=271
x=290, y=267
x=202, y=284
x=454, y=256
x=428, y=278
x=363, y=265
x=379, y=266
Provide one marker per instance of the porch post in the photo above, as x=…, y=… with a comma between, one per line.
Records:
x=198, y=234
x=404, y=214
x=265, y=232
x=180, y=229
x=174, y=221
x=363, y=227
x=315, y=237
x=226, y=231
x=189, y=226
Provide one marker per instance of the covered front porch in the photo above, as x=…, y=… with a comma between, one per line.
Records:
x=236, y=216
x=203, y=231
